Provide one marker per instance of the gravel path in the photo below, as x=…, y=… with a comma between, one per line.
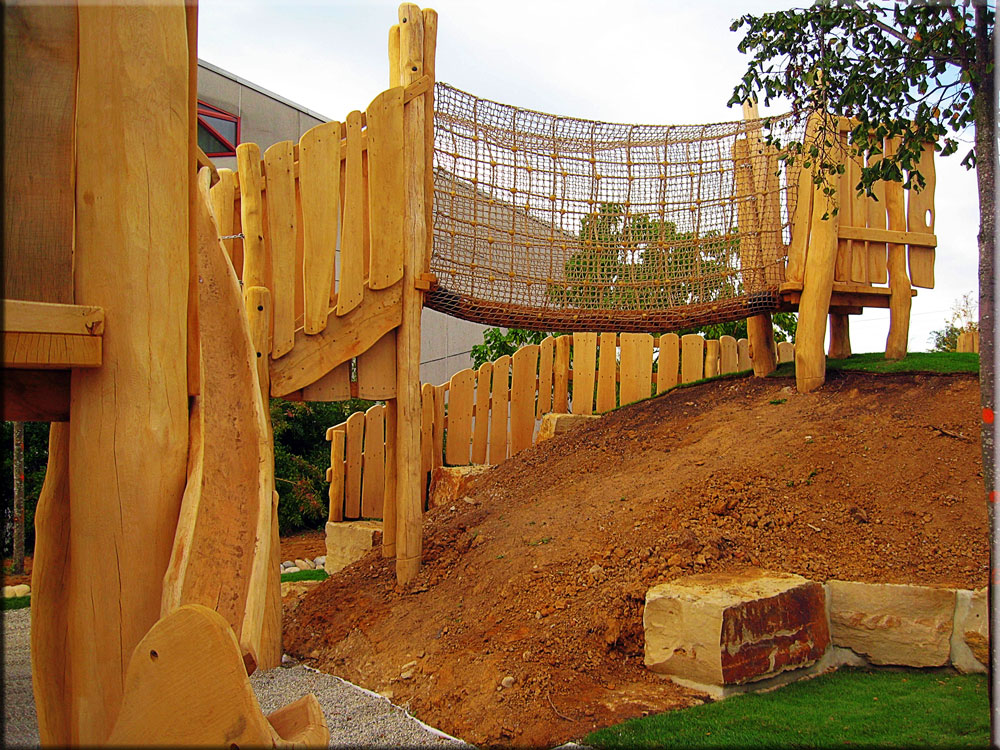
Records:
x=356, y=717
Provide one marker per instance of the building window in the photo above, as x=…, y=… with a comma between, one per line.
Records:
x=218, y=131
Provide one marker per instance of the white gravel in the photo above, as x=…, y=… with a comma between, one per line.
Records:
x=356, y=717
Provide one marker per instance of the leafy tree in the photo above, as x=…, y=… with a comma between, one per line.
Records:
x=36, y=456
x=500, y=341
x=963, y=318
x=785, y=324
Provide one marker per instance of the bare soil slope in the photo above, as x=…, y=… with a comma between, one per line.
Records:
x=540, y=575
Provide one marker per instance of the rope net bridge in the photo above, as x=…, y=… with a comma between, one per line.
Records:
x=565, y=224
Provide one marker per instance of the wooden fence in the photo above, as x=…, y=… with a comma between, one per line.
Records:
x=486, y=415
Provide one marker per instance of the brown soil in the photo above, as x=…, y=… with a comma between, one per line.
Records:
x=9, y=579
x=540, y=574
x=305, y=545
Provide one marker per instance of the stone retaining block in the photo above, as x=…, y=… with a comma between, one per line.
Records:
x=451, y=483
x=557, y=424
x=347, y=541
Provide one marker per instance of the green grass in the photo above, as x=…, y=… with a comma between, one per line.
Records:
x=17, y=602
x=305, y=575
x=847, y=707
x=945, y=362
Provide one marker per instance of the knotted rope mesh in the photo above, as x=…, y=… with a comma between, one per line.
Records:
x=561, y=224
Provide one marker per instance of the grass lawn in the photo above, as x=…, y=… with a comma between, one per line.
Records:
x=845, y=708
x=305, y=575
x=16, y=602
x=914, y=362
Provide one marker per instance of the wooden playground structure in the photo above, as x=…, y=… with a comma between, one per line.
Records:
x=153, y=346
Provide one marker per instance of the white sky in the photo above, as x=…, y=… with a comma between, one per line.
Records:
x=634, y=61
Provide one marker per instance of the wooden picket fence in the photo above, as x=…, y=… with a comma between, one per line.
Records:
x=484, y=416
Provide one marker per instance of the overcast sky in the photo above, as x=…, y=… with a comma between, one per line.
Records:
x=634, y=61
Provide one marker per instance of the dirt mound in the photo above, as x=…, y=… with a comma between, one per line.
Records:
x=525, y=624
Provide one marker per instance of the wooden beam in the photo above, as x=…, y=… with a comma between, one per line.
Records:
x=916, y=239
x=45, y=317
x=50, y=351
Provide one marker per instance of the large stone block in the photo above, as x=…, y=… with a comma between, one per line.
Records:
x=557, y=424
x=451, y=483
x=891, y=623
x=733, y=628
x=970, y=636
x=347, y=541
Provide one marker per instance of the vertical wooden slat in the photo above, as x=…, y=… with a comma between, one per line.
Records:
x=920, y=206
x=299, y=255
x=352, y=484
x=845, y=215
x=237, y=251
x=223, y=201
x=712, y=354
x=373, y=481
x=251, y=214
x=875, y=217
x=668, y=362
x=482, y=424
x=460, y=402
x=802, y=217
x=386, y=195
x=607, y=371
x=352, y=249
x=426, y=440
x=439, y=397
x=499, y=396
x=279, y=163
x=637, y=367
x=728, y=355
x=257, y=300
x=770, y=219
x=319, y=183
x=377, y=369
x=545, y=357
x=429, y=17
x=584, y=366
x=692, y=357
x=743, y=361
x=337, y=440
x=859, y=217
x=560, y=392
x=389, y=496
x=522, y=398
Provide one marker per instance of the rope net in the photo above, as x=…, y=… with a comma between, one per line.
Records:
x=560, y=224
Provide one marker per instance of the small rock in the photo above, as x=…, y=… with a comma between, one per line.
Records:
x=507, y=681
x=286, y=659
x=22, y=589
x=304, y=564
x=597, y=572
x=292, y=569
x=387, y=694
x=8, y=592
x=314, y=654
x=408, y=666
x=287, y=564
x=407, y=675
x=320, y=561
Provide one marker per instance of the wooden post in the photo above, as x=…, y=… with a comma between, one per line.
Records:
x=840, y=336
x=899, y=280
x=415, y=237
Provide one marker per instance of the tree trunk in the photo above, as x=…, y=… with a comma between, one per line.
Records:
x=18, y=498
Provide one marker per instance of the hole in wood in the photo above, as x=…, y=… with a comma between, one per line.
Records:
x=153, y=656
x=260, y=308
x=414, y=68
x=258, y=354
x=928, y=216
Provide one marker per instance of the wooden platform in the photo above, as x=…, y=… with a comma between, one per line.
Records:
x=846, y=299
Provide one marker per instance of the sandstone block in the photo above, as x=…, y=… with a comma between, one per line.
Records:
x=733, y=628
x=890, y=623
x=557, y=424
x=970, y=636
x=449, y=483
x=347, y=541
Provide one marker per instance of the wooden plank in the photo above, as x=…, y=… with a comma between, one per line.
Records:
x=437, y=457
x=39, y=85
x=223, y=205
x=743, y=355
x=668, y=362
x=546, y=353
x=282, y=231
x=499, y=397
x=480, y=434
x=749, y=250
x=712, y=353
x=257, y=300
x=426, y=432
x=314, y=356
x=920, y=217
x=522, y=398
x=560, y=368
x=354, y=452
x=859, y=217
x=319, y=185
x=886, y=235
x=352, y=243
x=50, y=351
x=786, y=351
x=842, y=270
x=728, y=355
x=377, y=369
x=607, y=373
x=692, y=357
x=251, y=215
x=389, y=496
x=460, y=403
x=338, y=471
x=637, y=367
x=584, y=366
x=334, y=386
x=46, y=317
x=386, y=195
x=876, y=220
x=373, y=482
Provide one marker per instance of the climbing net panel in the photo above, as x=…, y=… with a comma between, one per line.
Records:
x=556, y=223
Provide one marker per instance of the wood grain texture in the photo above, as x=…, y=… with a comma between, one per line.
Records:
x=338, y=473
x=637, y=367
x=522, y=397
x=712, y=353
x=373, y=484
x=859, y=218
x=920, y=217
x=899, y=280
x=546, y=355
x=426, y=441
x=319, y=188
x=352, y=243
x=385, y=187
x=440, y=395
x=760, y=333
x=728, y=355
x=132, y=99
x=840, y=337
x=842, y=270
x=500, y=397
x=51, y=351
x=876, y=220
x=668, y=362
x=282, y=219
x=389, y=496
x=334, y=386
x=692, y=357
x=377, y=369
x=560, y=367
x=607, y=373
x=481, y=429
x=251, y=214
x=354, y=448
x=45, y=317
x=743, y=355
x=223, y=206
x=584, y=372
x=39, y=77
x=271, y=646
x=460, y=405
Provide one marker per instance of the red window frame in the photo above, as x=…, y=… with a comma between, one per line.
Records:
x=208, y=109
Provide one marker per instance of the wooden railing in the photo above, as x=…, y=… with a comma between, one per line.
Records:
x=486, y=415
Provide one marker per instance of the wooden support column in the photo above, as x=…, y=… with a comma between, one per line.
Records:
x=840, y=336
x=899, y=280
x=128, y=425
x=409, y=511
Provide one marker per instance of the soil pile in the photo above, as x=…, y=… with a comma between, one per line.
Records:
x=525, y=624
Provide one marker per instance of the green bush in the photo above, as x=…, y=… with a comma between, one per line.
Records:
x=36, y=456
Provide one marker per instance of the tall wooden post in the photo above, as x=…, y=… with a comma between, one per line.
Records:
x=899, y=280
x=416, y=152
x=840, y=336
